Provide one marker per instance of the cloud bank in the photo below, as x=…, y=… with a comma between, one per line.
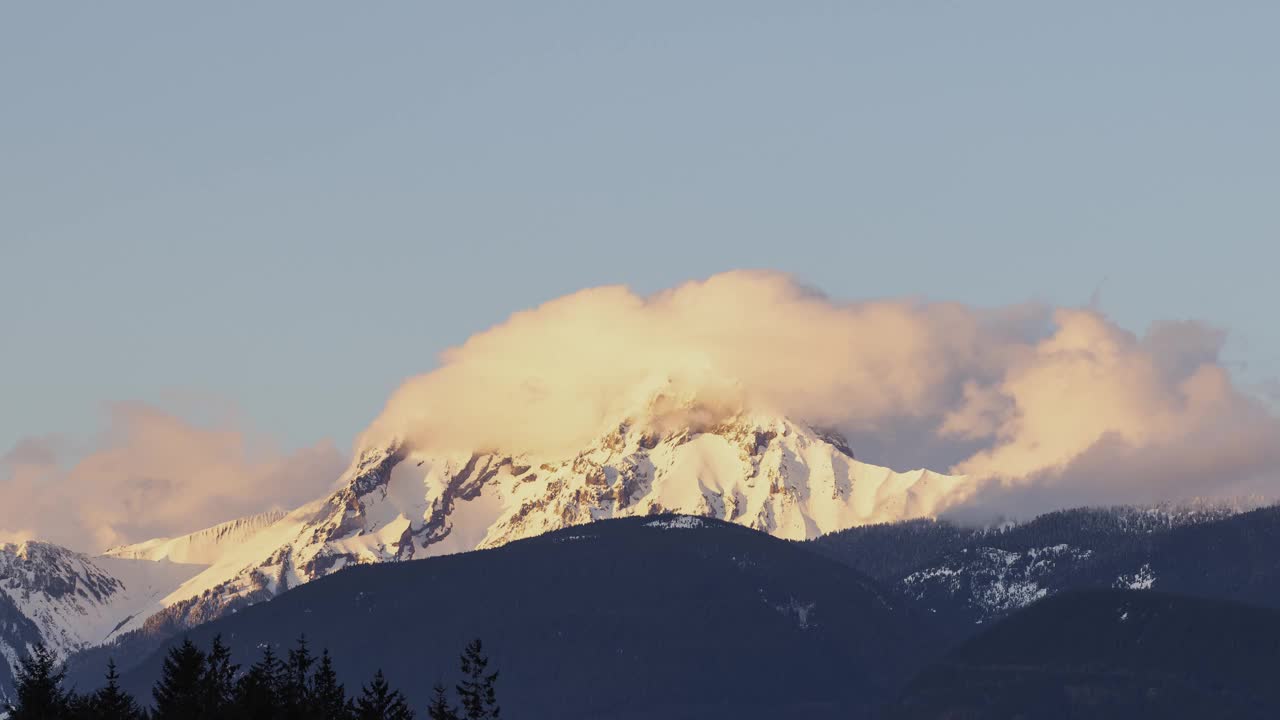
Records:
x=1040, y=406
x=152, y=475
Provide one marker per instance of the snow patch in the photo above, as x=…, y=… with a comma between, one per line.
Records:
x=997, y=581
x=1143, y=579
x=684, y=522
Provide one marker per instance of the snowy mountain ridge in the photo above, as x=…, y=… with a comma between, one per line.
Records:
x=70, y=601
x=395, y=503
x=674, y=447
x=202, y=547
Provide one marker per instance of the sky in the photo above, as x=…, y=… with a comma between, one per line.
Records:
x=268, y=218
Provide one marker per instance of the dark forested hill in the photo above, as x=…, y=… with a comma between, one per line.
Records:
x=684, y=617
x=1110, y=654
x=648, y=617
x=967, y=577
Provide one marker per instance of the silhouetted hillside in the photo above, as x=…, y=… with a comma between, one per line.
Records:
x=967, y=578
x=647, y=617
x=1110, y=654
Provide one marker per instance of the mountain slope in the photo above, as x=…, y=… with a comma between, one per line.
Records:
x=641, y=617
x=397, y=504
x=1233, y=558
x=968, y=576
x=69, y=601
x=203, y=547
x=1110, y=654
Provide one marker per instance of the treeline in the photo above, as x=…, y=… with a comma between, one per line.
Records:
x=199, y=685
x=888, y=551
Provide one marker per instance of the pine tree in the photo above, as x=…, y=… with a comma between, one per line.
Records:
x=38, y=686
x=476, y=691
x=219, y=681
x=440, y=709
x=258, y=692
x=111, y=702
x=379, y=702
x=179, y=694
x=81, y=707
x=295, y=690
x=328, y=697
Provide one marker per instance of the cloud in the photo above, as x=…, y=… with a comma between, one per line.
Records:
x=1041, y=407
x=1096, y=415
x=1032, y=402
x=152, y=475
x=547, y=378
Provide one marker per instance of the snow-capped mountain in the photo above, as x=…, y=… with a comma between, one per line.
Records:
x=669, y=452
x=397, y=503
x=639, y=644
x=69, y=601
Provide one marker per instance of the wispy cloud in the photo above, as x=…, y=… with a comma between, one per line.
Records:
x=151, y=474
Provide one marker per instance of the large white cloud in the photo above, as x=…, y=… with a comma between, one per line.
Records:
x=1036, y=404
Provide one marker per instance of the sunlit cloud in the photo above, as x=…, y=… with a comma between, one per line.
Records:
x=1032, y=402
x=152, y=474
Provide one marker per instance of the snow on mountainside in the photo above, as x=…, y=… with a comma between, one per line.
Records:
x=764, y=472
x=70, y=601
x=202, y=547
x=668, y=455
x=996, y=581
x=994, y=572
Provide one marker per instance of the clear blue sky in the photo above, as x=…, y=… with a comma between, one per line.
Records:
x=287, y=208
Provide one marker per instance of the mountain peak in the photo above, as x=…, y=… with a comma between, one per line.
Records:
x=677, y=450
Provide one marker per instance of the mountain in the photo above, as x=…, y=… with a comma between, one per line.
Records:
x=69, y=601
x=1233, y=558
x=1109, y=654
x=964, y=579
x=396, y=504
x=666, y=616
x=969, y=577
x=399, y=502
